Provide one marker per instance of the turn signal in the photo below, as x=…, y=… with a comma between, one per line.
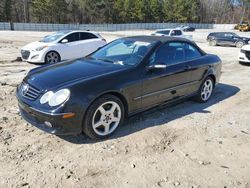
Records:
x=66, y=116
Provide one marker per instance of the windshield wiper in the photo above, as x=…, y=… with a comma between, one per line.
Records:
x=106, y=60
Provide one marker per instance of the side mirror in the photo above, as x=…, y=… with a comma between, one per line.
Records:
x=156, y=67
x=64, y=41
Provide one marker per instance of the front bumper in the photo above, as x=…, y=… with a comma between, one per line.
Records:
x=243, y=58
x=33, y=56
x=49, y=122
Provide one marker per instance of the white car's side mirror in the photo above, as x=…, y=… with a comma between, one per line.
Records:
x=64, y=41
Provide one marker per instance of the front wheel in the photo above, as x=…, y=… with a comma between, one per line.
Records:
x=52, y=57
x=103, y=117
x=206, y=90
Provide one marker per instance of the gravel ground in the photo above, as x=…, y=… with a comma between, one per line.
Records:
x=186, y=145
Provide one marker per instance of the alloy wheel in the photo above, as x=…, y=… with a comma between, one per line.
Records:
x=213, y=43
x=52, y=57
x=106, y=118
x=207, y=90
x=239, y=44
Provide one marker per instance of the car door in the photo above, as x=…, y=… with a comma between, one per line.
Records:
x=89, y=43
x=162, y=85
x=220, y=38
x=198, y=66
x=70, y=49
x=229, y=39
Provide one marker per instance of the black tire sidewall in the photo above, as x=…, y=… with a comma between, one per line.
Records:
x=87, y=122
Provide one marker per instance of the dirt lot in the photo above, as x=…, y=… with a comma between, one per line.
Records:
x=187, y=145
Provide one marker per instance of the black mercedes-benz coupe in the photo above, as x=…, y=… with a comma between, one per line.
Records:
x=129, y=75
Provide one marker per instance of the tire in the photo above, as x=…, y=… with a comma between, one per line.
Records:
x=205, y=91
x=212, y=43
x=52, y=57
x=103, y=117
x=239, y=44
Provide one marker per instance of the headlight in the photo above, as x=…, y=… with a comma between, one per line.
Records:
x=41, y=48
x=249, y=42
x=55, y=99
x=46, y=97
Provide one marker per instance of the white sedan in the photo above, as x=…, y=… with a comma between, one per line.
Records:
x=61, y=46
x=244, y=55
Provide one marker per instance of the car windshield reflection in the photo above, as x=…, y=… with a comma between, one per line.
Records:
x=54, y=36
x=123, y=52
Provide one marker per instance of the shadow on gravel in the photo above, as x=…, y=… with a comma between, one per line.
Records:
x=163, y=114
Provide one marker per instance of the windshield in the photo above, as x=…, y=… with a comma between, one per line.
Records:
x=165, y=32
x=54, y=36
x=234, y=35
x=123, y=52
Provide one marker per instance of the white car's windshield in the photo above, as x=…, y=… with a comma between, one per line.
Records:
x=54, y=36
x=123, y=52
x=164, y=32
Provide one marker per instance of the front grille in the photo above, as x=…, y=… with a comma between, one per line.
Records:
x=25, y=54
x=29, y=92
x=247, y=54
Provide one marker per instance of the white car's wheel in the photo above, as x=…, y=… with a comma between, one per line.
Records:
x=52, y=57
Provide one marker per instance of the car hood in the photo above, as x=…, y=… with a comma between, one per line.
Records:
x=35, y=45
x=57, y=75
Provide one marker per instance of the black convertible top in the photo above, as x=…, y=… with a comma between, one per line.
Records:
x=163, y=39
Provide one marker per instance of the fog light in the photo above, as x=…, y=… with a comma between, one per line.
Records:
x=242, y=58
x=48, y=124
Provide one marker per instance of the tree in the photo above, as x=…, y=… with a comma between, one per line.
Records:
x=124, y=11
x=50, y=11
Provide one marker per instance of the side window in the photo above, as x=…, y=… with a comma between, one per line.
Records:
x=170, y=53
x=178, y=32
x=191, y=52
x=228, y=35
x=173, y=33
x=72, y=37
x=86, y=36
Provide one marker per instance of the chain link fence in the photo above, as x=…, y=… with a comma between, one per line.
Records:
x=5, y=26
x=106, y=27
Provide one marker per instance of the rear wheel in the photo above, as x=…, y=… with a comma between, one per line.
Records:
x=205, y=91
x=103, y=117
x=212, y=42
x=52, y=57
x=239, y=44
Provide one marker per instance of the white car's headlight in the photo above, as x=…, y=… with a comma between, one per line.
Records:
x=41, y=48
x=55, y=99
x=249, y=42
